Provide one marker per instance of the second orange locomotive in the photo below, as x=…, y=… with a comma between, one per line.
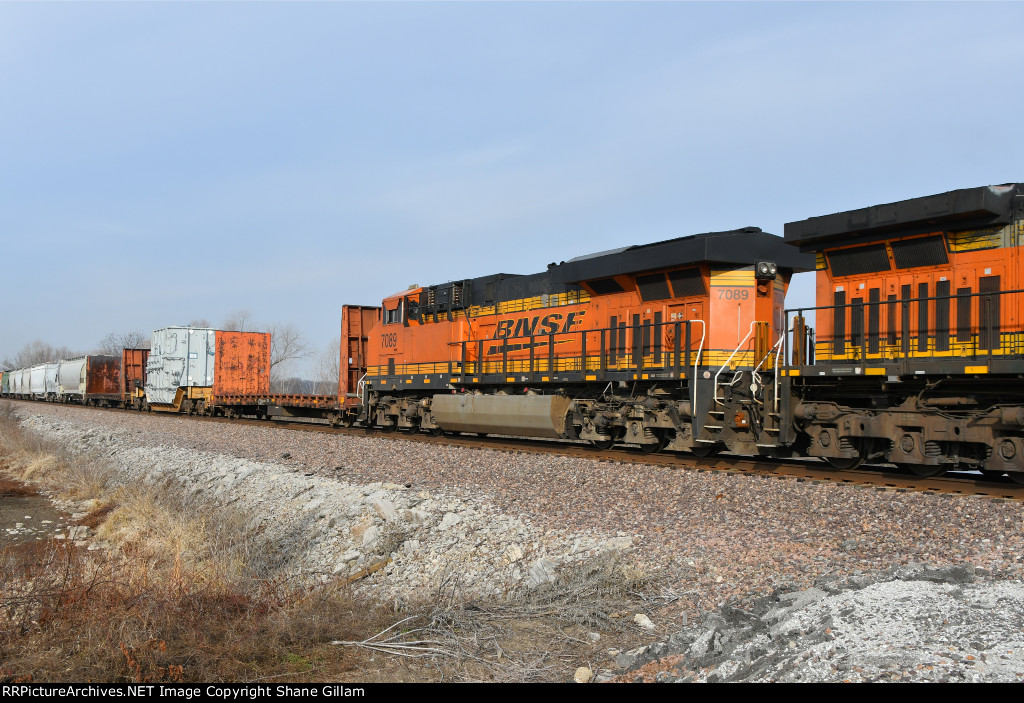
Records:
x=657, y=345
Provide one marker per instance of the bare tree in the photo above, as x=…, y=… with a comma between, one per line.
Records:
x=200, y=322
x=294, y=385
x=114, y=342
x=238, y=321
x=38, y=352
x=286, y=345
x=328, y=369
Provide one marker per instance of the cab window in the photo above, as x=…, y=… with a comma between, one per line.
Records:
x=393, y=316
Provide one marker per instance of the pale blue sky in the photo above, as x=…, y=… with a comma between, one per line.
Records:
x=171, y=161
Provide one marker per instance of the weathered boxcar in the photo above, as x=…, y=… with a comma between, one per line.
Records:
x=91, y=380
x=133, y=378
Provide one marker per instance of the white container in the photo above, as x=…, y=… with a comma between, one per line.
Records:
x=179, y=357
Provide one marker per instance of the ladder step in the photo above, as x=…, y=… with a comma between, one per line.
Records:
x=771, y=429
x=767, y=446
x=709, y=441
x=712, y=427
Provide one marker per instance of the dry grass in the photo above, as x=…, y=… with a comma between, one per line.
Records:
x=15, y=489
x=186, y=593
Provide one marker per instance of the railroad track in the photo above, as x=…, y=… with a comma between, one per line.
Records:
x=875, y=477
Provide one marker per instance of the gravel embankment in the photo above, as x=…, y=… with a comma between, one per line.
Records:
x=911, y=623
x=707, y=537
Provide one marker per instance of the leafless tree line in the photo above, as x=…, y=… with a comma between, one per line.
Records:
x=39, y=352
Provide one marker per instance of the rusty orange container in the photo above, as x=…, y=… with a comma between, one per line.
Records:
x=102, y=378
x=357, y=321
x=241, y=364
x=133, y=374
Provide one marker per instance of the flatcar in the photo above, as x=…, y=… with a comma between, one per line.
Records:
x=919, y=353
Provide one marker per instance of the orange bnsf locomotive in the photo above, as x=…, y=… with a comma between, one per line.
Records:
x=919, y=353
x=670, y=344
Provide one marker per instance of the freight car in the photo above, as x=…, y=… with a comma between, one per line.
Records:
x=92, y=380
x=192, y=370
x=662, y=345
x=919, y=351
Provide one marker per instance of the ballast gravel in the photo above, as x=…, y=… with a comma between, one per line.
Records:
x=714, y=542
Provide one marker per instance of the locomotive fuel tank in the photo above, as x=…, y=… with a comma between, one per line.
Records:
x=526, y=415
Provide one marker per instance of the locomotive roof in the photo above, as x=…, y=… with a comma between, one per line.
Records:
x=967, y=208
x=739, y=246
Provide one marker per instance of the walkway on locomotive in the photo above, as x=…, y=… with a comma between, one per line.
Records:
x=655, y=311
x=935, y=279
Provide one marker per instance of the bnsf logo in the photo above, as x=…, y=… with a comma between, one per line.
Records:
x=549, y=324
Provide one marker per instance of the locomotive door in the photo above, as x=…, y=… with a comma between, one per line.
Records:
x=683, y=313
x=995, y=315
x=908, y=314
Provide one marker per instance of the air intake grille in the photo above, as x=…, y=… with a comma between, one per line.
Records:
x=851, y=262
x=687, y=282
x=923, y=251
x=603, y=286
x=653, y=287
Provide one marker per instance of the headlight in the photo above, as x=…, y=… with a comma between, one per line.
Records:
x=765, y=269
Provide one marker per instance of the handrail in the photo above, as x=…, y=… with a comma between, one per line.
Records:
x=700, y=350
x=907, y=331
x=735, y=351
x=781, y=344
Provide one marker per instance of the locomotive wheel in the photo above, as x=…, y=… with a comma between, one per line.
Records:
x=389, y=428
x=654, y=448
x=436, y=431
x=1016, y=476
x=924, y=470
x=602, y=444
x=991, y=475
x=843, y=463
x=703, y=451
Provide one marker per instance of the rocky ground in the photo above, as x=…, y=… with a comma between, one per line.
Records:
x=757, y=578
x=912, y=623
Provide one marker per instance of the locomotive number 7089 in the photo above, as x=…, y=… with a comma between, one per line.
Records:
x=733, y=293
x=389, y=340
